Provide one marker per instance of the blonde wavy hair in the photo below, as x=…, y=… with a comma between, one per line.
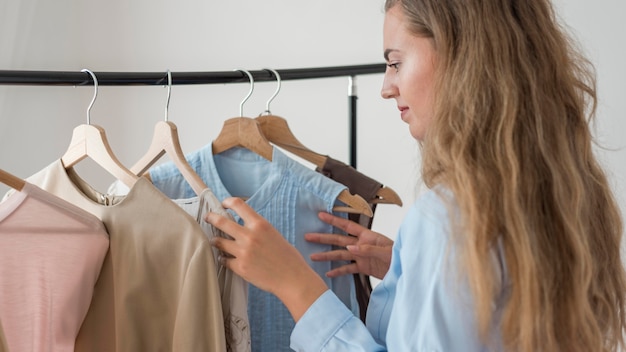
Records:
x=511, y=138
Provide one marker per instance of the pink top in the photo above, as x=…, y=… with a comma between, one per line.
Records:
x=51, y=253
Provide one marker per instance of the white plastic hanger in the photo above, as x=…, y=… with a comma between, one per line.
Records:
x=90, y=141
x=165, y=140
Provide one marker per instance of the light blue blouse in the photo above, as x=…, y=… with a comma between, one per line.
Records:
x=420, y=305
x=288, y=195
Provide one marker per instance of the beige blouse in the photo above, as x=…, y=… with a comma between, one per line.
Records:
x=158, y=288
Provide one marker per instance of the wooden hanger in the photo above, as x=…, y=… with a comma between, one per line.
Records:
x=277, y=131
x=165, y=140
x=246, y=132
x=243, y=132
x=355, y=204
x=11, y=180
x=386, y=195
x=91, y=141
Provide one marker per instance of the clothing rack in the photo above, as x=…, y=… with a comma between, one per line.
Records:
x=69, y=78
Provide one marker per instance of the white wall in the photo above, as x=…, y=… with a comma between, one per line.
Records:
x=186, y=35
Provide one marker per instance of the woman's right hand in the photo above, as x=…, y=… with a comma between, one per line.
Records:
x=258, y=253
x=369, y=252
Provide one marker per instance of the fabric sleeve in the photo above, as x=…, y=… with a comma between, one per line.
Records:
x=422, y=304
x=433, y=309
x=329, y=326
x=199, y=319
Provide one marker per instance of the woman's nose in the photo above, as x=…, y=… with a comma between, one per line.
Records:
x=388, y=90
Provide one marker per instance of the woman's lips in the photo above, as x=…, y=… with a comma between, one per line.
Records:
x=403, y=112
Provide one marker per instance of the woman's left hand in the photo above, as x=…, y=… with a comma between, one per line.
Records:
x=369, y=252
x=258, y=253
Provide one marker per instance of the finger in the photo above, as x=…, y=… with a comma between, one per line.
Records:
x=369, y=251
x=332, y=239
x=346, y=225
x=343, y=270
x=226, y=261
x=223, y=223
x=240, y=207
x=227, y=246
x=332, y=256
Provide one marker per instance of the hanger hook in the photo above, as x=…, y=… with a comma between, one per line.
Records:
x=169, y=94
x=249, y=92
x=267, y=105
x=95, y=93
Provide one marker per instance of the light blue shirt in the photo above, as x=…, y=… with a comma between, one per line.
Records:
x=420, y=305
x=288, y=195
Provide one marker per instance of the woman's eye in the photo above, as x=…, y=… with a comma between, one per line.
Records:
x=393, y=65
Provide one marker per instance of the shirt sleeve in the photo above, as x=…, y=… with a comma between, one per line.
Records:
x=422, y=304
x=433, y=309
x=341, y=329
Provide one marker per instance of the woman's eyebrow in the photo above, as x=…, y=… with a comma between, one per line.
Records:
x=386, y=54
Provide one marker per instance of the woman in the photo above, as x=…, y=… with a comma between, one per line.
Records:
x=516, y=244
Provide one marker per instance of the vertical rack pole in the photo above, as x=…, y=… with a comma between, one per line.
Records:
x=352, y=97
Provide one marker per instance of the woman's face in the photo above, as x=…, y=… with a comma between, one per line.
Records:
x=410, y=73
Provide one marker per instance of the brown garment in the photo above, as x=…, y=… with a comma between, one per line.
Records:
x=366, y=187
x=158, y=288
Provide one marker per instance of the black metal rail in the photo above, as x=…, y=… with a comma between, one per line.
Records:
x=60, y=78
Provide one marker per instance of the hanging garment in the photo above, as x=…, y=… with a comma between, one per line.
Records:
x=356, y=182
x=286, y=193
x=52, y=253
x=233, y=288
x=367, y=188
x=158, y=289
